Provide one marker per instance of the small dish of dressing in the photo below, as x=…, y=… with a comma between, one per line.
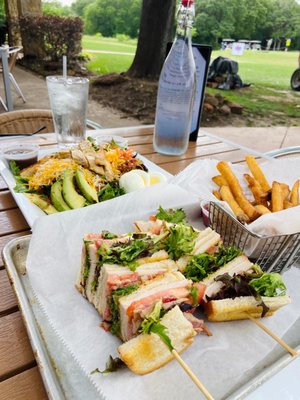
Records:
x=204, y=204
x=23, y=154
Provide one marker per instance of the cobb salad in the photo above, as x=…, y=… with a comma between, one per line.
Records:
x=83, y=175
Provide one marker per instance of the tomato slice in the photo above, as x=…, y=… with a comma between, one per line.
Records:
x=201, y=288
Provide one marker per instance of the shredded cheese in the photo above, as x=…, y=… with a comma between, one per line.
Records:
x=49, y=172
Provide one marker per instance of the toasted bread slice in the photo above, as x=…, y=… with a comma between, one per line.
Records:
x=206, y=241
x=147, y=352
x=240, y=307
x=172, y=284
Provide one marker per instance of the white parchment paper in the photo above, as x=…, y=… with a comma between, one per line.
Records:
x=53, y=264
x=196, y=178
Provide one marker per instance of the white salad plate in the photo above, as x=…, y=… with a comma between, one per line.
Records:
x=30, y=211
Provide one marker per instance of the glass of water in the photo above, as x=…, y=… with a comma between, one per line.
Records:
x=68, y=101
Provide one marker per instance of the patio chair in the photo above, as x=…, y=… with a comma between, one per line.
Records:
x=29, y=121
x=26, y=121
x=286, y=151
x=13, y=53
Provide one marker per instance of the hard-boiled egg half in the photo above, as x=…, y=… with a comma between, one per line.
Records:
x=138, y=179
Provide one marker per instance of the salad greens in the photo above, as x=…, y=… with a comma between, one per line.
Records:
x=93, y=142
x=256, y=284
x=202, y=265
x=174, y=216
x=108, y=235
x=14, y=168
x=226, y=254
x=21, y=183
x=110, y=191
x=112, y=365
x=113, y=304
x=126, y=253
x=194, y=294
x=269, y=285
x=151, y=324
x=87, y=262
x=180, y=240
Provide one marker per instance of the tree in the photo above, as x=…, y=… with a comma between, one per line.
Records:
x=14, y=10
x=56, y=8
x=99, y=18
x=215, y=20
x=156, y=27
x=79, y=6
x=112, y=17
x=286, y=21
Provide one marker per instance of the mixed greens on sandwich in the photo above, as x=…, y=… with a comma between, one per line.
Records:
x=251, y=292
x=202, y=265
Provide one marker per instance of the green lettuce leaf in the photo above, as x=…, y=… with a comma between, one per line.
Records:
x=226, y=254
x=113, y=304
x=152, y=318
x=200, y=266
x=87, y=262
x=161, y=331
x=112, y=365
x=180, y=241
x=194, y=294
x=108, y=235
x=93, y=143
x=110, y=191
x=269, y=284
x=126, y=253
x=14, y=168
x=152, y=324
x=173, y=216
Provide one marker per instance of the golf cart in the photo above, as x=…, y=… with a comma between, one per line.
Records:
x=295, y=79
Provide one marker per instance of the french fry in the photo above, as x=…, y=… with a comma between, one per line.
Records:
x=262, y=209
x=257, y=173
x=287, y=204
x=285, y=190
x=237, y=191
x=217, y=194
x=227, y=196
x=259, y=195
x=219, y=180
x=277, y=197
x=266, y=199
x=294, y=198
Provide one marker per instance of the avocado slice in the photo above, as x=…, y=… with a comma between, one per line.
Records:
x=41, y=202
x=50, y=209
x=71, y=197
x=57, y=198
x=87, y=190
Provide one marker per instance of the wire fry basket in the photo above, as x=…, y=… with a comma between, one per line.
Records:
x=272, y=253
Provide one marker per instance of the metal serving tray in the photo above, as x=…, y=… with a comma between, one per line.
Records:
x=63, y=382
x=51, y=355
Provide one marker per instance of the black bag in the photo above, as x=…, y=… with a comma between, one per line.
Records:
x=222, y=66
x=228, y=69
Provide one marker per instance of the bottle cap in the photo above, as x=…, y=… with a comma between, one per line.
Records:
x=187, y=3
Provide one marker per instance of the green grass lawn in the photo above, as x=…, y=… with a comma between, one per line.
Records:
x=268, y=72
x=270, y=69
x=108, y=44
x=104, y=63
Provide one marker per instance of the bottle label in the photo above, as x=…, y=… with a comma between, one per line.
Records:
x=200, y=64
